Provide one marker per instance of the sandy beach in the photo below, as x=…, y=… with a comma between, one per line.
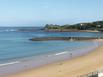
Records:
x=69, y=68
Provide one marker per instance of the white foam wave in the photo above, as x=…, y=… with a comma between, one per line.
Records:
x=11, y=63
x=61, y=53
x=8, y=30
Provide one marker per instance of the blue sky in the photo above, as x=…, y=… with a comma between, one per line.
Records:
x=41, y=12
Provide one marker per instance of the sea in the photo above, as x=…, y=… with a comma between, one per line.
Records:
x=16, y=48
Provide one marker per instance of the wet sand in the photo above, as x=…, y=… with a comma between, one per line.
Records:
x=69, y=68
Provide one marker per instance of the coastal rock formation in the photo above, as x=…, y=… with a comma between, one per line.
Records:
x=92, y=27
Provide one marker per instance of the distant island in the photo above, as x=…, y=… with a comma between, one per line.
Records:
x=89, y=27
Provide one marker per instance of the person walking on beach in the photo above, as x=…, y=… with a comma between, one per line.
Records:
x=71, y=55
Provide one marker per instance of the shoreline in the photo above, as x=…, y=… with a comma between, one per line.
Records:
x=26, y=64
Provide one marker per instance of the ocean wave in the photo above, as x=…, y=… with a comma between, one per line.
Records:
x=8, y=30
x=61, y=53
x=10, y=63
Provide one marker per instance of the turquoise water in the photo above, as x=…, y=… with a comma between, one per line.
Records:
x=15, y=44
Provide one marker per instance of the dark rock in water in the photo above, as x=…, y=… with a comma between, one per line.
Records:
x=63, y=38
x=49, y=38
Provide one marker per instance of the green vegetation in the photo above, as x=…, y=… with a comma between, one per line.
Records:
x=98, y=25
